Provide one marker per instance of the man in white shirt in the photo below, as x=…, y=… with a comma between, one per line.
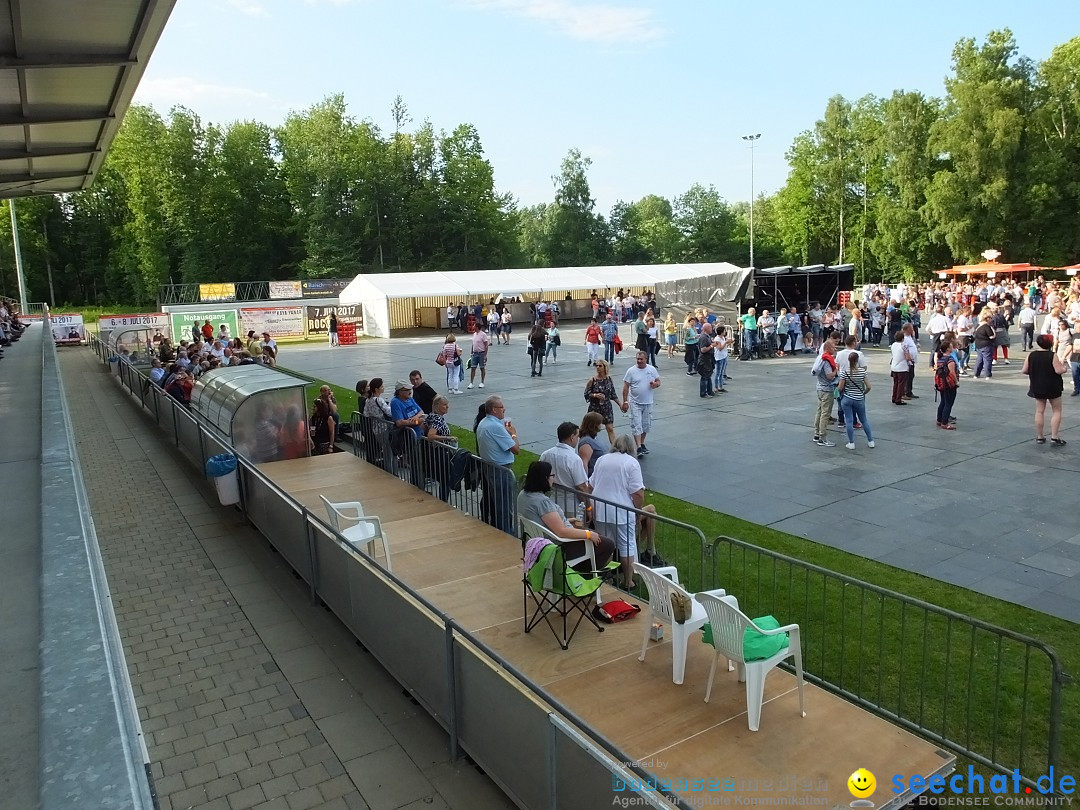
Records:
x=1027, y=325
x=480, y=345
x=911, y=349
x=568, y=468
x=938, y=325
x=639, y=382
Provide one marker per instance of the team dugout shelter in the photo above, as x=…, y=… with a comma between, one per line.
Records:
x=394, y=301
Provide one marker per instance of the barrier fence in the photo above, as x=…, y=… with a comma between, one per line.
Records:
x=457, y=678
x=981, y=691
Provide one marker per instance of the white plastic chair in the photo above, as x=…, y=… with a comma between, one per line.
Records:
x=366, y=531
x=728, y=625
x=661, y=583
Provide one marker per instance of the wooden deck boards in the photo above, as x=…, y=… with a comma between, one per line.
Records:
x=473, y=573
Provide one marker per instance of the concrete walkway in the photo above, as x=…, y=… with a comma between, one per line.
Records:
x=20, y=573
x=248, y=695
x=983, y=507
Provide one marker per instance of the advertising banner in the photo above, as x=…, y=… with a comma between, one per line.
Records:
x=152, y=321
x=286, y=289
x=278, y=321
x=318, y=318
x=324, y=287
x=217, y=292
x=68, y=327
x=183, y=321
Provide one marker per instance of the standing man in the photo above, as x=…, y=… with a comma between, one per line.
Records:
x=938, y=325
x=639, y=383
x=497, y=443
x=207, y=330
x=269, y=343
x=333, y=328
x=749, y=334
x=610, y=330
x=1027, y=325
x=481, y=343
x=568, y=468
x=911, y=351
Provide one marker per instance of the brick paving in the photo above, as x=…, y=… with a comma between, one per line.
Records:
x=249, y=697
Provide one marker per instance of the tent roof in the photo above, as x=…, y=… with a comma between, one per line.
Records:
x=471, y=283
x=989, y=267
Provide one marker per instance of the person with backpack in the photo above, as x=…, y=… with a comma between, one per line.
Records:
x=946, y=382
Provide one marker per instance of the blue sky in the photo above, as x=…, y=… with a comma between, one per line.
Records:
x=656, y=93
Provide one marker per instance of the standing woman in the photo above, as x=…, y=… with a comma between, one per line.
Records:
x=671, y=334
x=782, y=332
x=333, y=328
x=984, y=346
x=720, y=357
x=947, y=375
x=965, y=334
x=600, y=394
x=553, y=342
x=654, y=339
x=322, y=428
x=1000, y=321
x=537, y=347
x=451, y=356
x=853, y=387
x=690, y=339
x=1044, y=371
x=588, y=448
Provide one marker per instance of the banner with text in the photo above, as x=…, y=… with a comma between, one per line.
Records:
x=152, y=321
x=67, y=326
x=278, y=321
x=286, y=289
x=318, y=318
x=217, y=292
x=182, y=322
x=324, y=287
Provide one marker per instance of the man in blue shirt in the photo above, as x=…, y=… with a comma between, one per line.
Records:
x=404, y=410
x=610, y=330
x=497, y=444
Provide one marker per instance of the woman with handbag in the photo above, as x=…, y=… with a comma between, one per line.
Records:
x=853, y=387
x=537, y=348
x=449, y=357
x=600, y=394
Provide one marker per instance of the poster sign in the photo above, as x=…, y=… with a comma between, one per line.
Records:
x=318, y=318
x=286, y=289
x=153, y=321
x=324, y=287
x=67, y=327
x=183, y=321
x=278, y=321
x=217, y=292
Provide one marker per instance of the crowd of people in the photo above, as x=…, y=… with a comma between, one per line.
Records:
x=176, y=368
x=11, y=328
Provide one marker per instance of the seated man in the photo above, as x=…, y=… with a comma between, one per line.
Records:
x=533, y=503
x=157, y=372
x=404, y=410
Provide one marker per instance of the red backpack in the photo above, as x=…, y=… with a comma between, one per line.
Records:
x=944, y=377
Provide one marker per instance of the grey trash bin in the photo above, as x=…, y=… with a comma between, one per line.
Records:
x=222, y=468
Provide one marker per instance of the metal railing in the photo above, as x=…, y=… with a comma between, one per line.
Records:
x=459, y=679
x=982, y=691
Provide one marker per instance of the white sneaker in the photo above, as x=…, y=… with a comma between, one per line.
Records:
x=1006, y=363
x=470, y=385
x=869, y=444
x=850, y=445
x=481, y=385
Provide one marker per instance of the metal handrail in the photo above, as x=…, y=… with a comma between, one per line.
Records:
x=766, y=580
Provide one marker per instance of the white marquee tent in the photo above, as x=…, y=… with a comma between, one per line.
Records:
x=376, y=292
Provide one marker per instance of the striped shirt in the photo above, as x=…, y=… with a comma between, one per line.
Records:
x=855, y=385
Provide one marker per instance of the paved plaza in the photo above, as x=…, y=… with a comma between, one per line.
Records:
x=983, y=507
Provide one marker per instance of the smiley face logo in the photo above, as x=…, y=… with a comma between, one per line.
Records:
x=862, y=784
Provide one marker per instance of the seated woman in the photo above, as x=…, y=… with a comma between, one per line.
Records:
x=533, y=503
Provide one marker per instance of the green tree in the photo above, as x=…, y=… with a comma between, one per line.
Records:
x=578, y=236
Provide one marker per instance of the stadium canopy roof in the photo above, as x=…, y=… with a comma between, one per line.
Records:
x=68, y=71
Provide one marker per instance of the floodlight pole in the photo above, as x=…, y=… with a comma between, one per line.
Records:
x=753, y=140
x=18, y=258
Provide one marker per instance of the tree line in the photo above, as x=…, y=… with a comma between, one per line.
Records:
x=899, y=186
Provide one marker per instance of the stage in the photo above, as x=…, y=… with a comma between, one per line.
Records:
x=472, y=572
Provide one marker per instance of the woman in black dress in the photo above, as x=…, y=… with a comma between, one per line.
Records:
x=600, y=394
x=1044, y=372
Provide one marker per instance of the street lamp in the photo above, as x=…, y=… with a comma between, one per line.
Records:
x=753, y=140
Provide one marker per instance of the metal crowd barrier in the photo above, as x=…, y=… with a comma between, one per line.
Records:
x=457, y=678
x=983, y=692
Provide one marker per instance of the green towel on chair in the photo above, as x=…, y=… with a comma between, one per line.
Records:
x=563, y=578
x=756, y=646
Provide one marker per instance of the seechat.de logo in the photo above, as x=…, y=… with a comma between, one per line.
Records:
x=973, y=784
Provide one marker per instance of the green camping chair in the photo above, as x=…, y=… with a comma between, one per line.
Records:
x=559, y=593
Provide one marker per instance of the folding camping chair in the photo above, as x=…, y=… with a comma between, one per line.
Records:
x=556, y=588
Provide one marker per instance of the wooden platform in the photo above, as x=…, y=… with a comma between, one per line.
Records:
x=473, y=573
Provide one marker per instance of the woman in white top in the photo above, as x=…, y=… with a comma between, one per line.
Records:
x=720, y=344
x=898, y=365
x=965, y=333
x=375, y=407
